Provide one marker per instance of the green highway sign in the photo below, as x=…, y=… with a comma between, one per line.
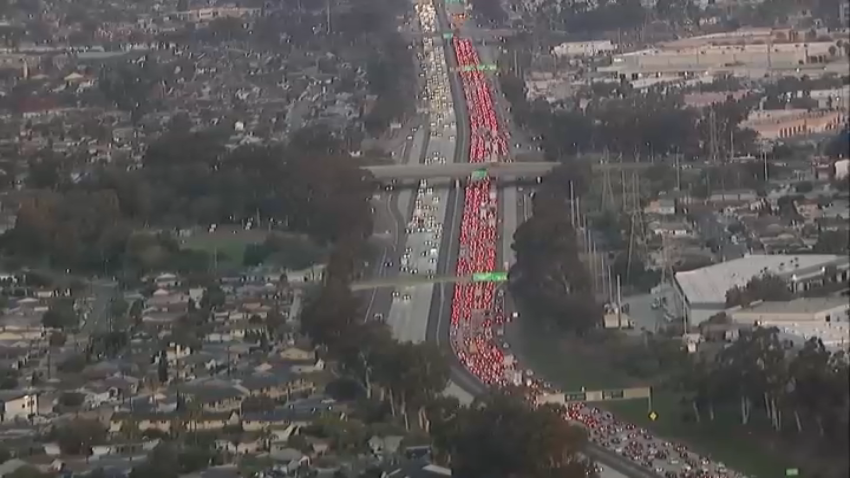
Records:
x=612, y=394
x=479, y=174
x=448, y=35
x=490, y=277
x=575, y=397
x=792, y=472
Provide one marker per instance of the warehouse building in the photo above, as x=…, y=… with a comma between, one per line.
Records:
x=701, y=293
x=799, y=320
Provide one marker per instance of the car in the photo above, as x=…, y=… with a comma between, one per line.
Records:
x=379, y=317
x=406, y=297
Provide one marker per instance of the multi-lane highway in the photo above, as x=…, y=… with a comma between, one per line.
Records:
x=463, y=230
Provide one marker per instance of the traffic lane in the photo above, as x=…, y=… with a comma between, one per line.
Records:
x=510, y=201
x=397, y=207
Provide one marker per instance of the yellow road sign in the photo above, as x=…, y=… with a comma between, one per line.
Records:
x=653, y=416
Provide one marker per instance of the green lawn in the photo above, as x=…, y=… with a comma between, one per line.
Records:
x=570, y=370
x=229, y=246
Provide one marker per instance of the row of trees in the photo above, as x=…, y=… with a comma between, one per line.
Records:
x=763, y=288
x=308, y=186
x=804, y=389
x=548, y=276
x=648, y=124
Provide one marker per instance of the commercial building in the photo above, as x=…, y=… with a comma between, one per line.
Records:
x=799, y=320
x=584, y=48
x=701, y=293
x=747, y=60
x=774, y=125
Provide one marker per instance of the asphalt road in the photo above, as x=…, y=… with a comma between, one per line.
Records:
x=390, y=226
x=103, y=292
x=712, y=226
x=416, y=250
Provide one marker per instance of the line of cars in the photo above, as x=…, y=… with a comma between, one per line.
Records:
x=473, y=315
x=477, y=317
x=424, y=229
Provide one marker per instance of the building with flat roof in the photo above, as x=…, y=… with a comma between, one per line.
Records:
x=825, y=318
x=814, y=309
x=781, y=124
x=701, y=293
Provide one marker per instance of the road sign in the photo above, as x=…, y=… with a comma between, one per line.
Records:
x=448, y=35
x=792, y=472
x=479, y=174
x=612, y=394
x=653, y=416
x=575, y=396
x=490, y=277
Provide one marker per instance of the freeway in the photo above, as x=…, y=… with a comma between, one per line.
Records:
x=442, y=317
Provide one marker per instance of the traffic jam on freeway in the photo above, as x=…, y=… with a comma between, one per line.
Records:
x=477, y=313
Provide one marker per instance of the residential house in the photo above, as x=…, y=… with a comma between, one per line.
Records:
x=275, y=385
x=257, y=421
x=661, y=207
x=16, y=405
x=134, y=422
x=164, y=300
x=166, y=280
x=217, y=399
x=670, y=228
x=243, y=446
x=211, y=421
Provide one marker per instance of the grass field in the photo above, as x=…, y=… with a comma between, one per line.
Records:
x=571, y=369
x=228, y=244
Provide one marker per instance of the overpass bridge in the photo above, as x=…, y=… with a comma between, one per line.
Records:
x=494, y=170
x=410, y=280
x=492, y=34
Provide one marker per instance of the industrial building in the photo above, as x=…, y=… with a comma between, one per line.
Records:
x=799, y=320
x=701, y=293
x=669, y=63
x=773, y=125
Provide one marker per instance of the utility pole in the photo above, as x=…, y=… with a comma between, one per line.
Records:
x=328, y=13
x=678, y=173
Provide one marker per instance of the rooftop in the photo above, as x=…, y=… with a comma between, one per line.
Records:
x=799, y=306
x=708, y=285
x=833, y=335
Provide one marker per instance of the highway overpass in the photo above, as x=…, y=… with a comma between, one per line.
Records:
x=410, y=280
x=494, y=170
x=492, y=34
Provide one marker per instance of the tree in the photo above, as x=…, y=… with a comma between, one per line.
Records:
x=548, y=276
x=162, y=368
x=71, y=399
x=61, y=315
x=832, y=242
x=73, y=364
x=9, y=379
x=213, y=298
x=28, y=471
x=57, y=339
x=768, y=287
x=78, y=436
x=502, y=436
